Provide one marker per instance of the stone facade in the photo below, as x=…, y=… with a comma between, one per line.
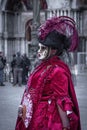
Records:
x=12, y=26
x=59, y=4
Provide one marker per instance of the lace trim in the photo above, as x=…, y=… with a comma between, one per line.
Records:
x=27, y=109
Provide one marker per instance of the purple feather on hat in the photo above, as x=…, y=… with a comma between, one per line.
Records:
x=64, y=25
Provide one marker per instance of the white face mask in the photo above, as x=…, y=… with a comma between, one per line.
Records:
x=42, y=52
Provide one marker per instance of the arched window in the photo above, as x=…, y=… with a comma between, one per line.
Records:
x=43, y=4
x=28, y=30
x=16, y=5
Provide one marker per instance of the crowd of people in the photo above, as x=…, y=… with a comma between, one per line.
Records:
x=20, y=67
x=17, y=69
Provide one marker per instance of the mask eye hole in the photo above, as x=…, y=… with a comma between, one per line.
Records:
x=43, y=47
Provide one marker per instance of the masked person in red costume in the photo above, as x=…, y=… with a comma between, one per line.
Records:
x=49, y=102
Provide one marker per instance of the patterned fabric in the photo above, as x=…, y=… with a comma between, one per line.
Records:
x=50, y=85
x=28, y=108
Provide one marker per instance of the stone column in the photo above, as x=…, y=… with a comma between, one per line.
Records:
x=5, y=47
x=0, y=31
x=5, y=34
x=36, y=13
x=5, y=27
x=0, y=22
x=23, y=46
x=0, y=43
x=36, y=22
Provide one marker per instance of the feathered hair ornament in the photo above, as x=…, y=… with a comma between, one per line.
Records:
x=63, y=25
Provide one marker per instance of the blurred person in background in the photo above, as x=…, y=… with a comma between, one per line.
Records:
x=2, y=65
x=13, y=63
x=26, y=66
x=18, y=70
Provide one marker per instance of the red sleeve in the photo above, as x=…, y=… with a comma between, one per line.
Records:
x=60, y=88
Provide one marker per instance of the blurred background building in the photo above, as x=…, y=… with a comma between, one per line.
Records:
x=19, y=20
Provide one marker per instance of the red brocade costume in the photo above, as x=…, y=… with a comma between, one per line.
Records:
x=50, y=84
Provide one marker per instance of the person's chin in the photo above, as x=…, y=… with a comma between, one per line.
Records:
x=41, y=58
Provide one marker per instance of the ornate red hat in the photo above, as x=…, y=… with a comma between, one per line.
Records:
x=63, y=25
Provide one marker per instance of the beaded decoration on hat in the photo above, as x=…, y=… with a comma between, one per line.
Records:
x=64, y=25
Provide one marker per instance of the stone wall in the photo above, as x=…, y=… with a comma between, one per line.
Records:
x=58, y=4
x=12, y=26
x=12, y=33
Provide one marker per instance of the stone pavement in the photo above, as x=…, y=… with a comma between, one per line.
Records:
x=10, y=98
x=81, y=92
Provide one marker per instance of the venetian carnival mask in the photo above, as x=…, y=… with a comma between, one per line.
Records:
x=43, y=52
